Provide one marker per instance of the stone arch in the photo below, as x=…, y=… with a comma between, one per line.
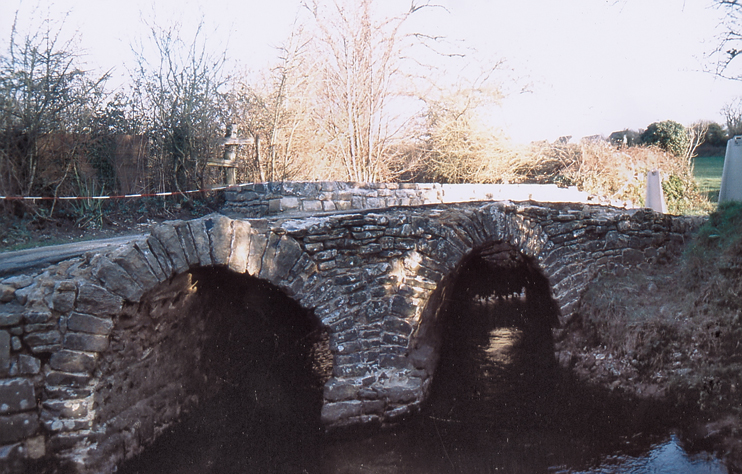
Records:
x=158, y=268
x=463, y=237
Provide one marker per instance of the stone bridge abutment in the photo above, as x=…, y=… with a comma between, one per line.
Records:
x=99, y=354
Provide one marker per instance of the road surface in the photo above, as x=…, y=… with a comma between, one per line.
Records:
x=20, y=260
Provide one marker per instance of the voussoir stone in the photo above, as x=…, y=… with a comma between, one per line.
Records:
x=219, y=229
x=117, y=280
x=168, y=237
x=201, y=241
x=135, y=264
x=188, y=245
x=240, y=247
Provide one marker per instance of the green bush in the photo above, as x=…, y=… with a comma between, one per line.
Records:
x=668, y=135
x=715, y=135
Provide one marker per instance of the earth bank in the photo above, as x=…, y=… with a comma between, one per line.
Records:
x=671, y=332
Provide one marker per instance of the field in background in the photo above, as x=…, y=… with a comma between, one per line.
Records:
x=707, y=171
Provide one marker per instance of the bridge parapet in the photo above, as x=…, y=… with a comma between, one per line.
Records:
x=301, y=197
x=97, y=353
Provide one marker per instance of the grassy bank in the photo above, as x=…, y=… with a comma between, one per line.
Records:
x=707, y=171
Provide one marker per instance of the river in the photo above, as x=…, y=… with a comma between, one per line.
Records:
x=499, y=404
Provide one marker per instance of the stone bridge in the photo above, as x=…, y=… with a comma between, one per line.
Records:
x=100, y=353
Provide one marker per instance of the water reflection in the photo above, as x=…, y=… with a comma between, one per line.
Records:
x=499, y=403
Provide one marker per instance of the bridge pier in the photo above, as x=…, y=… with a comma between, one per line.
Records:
x=78, y=340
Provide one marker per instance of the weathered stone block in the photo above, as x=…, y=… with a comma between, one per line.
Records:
x=71, y=361
x=4, y=352
x=327, y=265
x=11, y=314
x=274, y=206
x=338, y=389
x=290, y=203
x=240, y=248
x=403, y=307
x=63, y=299
x=278, y=266
x=28, y=365
x=312, y=205
x=40, y=342
x=188, y=245
x=258, y=244
x=373, y=407
x=395, y=340
x=16, y=395
x=116, y=280
x=201, y=241
x=335, y=412
x=168, y=237
x=136, y=265
x=18, y=427
x=376, y=310
x=64, y=408
x=85, y=342
x=397, y=325
x=392, y=360
x=54, y=378
x=89, y=324
x=403, y=390
x=161, y=257
x=37, y=317
x=94, y=299
x=219, y=229
x=56, y=425
x=7, y=293
x=43, y=327
x=19, y=281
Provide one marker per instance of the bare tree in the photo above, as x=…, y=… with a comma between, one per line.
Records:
x=48, y=102
x=277, y=113
x=176, y=95
x=730, y=42
x=359, y=61
x=733, y=115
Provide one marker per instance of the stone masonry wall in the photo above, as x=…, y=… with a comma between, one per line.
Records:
x=370, y=277
x=264, y=199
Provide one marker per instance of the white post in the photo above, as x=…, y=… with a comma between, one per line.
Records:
x=655, y=198
x=731, y=177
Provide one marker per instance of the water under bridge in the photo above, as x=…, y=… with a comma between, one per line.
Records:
x=100, y=352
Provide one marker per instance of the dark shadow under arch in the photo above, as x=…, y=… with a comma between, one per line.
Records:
x=264, y=360
x=494, y=294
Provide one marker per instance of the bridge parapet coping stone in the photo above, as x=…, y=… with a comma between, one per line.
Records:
x=300, y=197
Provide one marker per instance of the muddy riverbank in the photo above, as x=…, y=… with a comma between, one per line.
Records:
x=667, y=333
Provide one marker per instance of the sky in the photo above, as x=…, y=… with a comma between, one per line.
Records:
x=572, y=67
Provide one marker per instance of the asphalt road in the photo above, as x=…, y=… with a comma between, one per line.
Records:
x=20, y=260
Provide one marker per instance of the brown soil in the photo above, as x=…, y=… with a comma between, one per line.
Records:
x=30, y=227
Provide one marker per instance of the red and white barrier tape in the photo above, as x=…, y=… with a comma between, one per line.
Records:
x=122, y=196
